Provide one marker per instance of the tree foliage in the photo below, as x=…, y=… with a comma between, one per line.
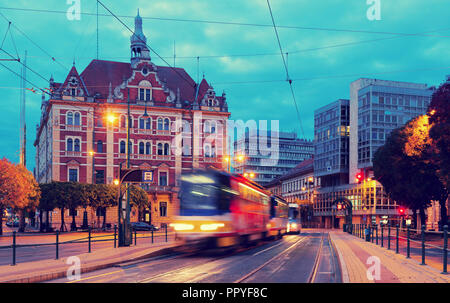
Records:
x=18, y=190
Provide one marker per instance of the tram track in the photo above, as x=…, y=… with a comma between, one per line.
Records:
x=333, y=273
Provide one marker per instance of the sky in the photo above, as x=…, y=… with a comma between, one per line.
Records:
x=329, y=44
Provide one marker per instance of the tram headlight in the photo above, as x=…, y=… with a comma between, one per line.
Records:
x=211, y=226
x=181, y=226
x=294, y=225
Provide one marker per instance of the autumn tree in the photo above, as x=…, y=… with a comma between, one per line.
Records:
x=18, y=190
x=439, y=112
x=139, y=199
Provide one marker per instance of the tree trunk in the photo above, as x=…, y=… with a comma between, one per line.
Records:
x=414, y=218
x=47, y=221
x=63, y=225
x=104, y=219
x=422, y=217
x=444, y=217
x=21, y=220
x=73, y=226
x=41, y=226
x=1, y=220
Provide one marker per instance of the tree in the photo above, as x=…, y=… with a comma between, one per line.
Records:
x=48, y=202
x=405, y=179
x=18, y=190
x=139, y=199
x=439, y=112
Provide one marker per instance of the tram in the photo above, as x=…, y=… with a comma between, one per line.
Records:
x=218, y=209
x=295, y=224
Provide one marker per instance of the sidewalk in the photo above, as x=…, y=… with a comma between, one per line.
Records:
x=31, y=272
x=354, y=252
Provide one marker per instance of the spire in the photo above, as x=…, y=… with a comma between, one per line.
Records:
x=139, y=49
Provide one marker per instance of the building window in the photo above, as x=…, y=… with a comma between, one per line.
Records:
x=69, y=146
x=76, y=145
x=130, y=147
x=99, y=146
x=77, y=119
x=69, y=118
x=147, y=148
x=122, y=147
x=100, y=176
x=73, y=175
x=166, y=149
x=160, y=124
x=166, y=124
x=141, y=148
x=141, y=93
x=163, y=178
x=163, y=209
x=144, y=94
x=144, y=123
x=160, y=149
x=73, y=92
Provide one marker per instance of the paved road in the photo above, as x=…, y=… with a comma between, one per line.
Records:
x=307, y=257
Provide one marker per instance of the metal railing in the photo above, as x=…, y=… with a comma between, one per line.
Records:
x=153, y=236
x=383, y=236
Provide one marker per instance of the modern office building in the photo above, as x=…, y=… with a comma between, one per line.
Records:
x=376, y=108
x=331, y=142
x=289, y=152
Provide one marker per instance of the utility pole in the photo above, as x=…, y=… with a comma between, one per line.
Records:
x=23, y=126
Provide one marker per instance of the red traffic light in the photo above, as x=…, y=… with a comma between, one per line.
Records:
x=339, y=206
x=359, y=177
x=401, y=210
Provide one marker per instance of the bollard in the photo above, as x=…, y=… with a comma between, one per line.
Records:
x=396, y=241
x=57, y=245
x=14, y=248
x=382, y=236
x=389, y=237
x=445, y=252
x=166, y=233
x=407, y=244
x=376, y=234
x=152, y=235
x=135, y=237
x=115, y=235
x=371, y=234
x=423, y=245
x=89, y=236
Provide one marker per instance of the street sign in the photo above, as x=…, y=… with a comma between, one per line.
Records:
x=136, y=175
x=147, y=176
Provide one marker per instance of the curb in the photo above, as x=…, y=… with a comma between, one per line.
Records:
x=342, y=265
x=62, y=273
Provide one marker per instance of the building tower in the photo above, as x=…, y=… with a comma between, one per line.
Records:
x=138, y=41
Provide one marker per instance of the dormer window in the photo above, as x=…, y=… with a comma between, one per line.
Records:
x=73, y=92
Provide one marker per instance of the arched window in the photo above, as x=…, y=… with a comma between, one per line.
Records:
x=99, y=146
x=69, y=118
x=69, y=144
x=141, y=148
x=213, y=127
x=77, y=119
x=206, y=126
x=147, y=123
x=160, y=149
x=76, y=145
x=141, y=123
x=122, y=147
x=160, y=124
x=166, y=149
x=166, y=124
x=147, y=148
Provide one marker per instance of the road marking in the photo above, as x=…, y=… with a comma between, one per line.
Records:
x=260, y=252
x=88, y=278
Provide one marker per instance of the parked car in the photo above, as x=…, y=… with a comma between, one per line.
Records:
x=143, y=226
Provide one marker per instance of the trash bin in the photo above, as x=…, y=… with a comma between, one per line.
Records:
x=367, y=233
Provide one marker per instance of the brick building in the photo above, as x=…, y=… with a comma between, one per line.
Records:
x=176, y=124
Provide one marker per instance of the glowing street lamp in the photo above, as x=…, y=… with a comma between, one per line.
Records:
x=116, y=182
x=110, y=117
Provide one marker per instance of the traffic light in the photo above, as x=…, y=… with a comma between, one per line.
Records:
x=401, y=211
x=359, y=177
x=339, y=206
